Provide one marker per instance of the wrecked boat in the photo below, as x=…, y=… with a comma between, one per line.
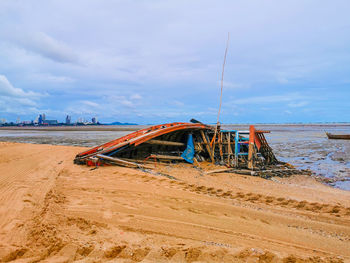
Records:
x=184, y=142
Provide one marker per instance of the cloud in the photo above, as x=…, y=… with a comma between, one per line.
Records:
x=298, y=104
x=178, y=103
x=135, y=96
x=231, y=86
x=42, y=77
x=124, y=101
x=83, y=107
x=90, y=103
x=271, y=99
x=46, y=46
x=16, y=100
x=7, y=90
x=127, y=103
x=108, y=106
x=282, y=80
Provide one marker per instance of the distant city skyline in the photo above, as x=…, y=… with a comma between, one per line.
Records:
x=42, y=120
x=161, y=61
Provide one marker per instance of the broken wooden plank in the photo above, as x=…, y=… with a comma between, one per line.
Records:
x=232, y=170
x=150, y=164
x=220, y=146
x=223, y=143
x=119, y=161
x=251, y=147
x=205, y=140
x=219, y=171
x=167, y=157
x=236, y=147
x=229, y=149
x=168, y=143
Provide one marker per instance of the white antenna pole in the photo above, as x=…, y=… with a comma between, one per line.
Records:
x=222, y=78
x=222, y=85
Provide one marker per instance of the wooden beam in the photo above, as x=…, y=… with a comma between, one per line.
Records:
x=211, y=155
x=251, y=147
x=219, y=171
x=236, y=147
x=229, y=149
x=232, y=170
x=223, y=143
x=119, y=161
x=220, y=146
x=169, y=143
x=260, y=131
x=167, y=157
x=142, y=162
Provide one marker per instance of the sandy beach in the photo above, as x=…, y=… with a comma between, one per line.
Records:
x=55, y=211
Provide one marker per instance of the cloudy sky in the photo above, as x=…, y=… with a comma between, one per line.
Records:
x=160, y=61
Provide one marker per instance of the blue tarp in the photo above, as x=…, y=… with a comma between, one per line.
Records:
x=188, y=154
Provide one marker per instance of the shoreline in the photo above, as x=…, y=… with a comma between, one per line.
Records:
x=59, y=211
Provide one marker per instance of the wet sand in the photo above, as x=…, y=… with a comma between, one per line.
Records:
x=55, y=211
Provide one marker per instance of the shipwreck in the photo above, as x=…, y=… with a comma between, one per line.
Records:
x=191, y=142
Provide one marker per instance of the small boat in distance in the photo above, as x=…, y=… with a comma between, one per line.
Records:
x=338, y=136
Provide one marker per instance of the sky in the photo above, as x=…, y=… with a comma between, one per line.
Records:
x=159, y=61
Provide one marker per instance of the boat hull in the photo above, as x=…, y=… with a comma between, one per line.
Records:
x=338, y=136
x=180, y=141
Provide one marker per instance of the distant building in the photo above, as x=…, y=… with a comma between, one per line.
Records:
x=94, y=120
x=27, y=122
x=50, y=122
x=42, y=118
x=68, y=119
x=2, y=121
x=18, y=121
x=36, y=121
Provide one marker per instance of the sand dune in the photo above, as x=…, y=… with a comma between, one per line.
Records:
x=54, y=211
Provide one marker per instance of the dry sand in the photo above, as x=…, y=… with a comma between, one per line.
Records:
x=54, y=211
